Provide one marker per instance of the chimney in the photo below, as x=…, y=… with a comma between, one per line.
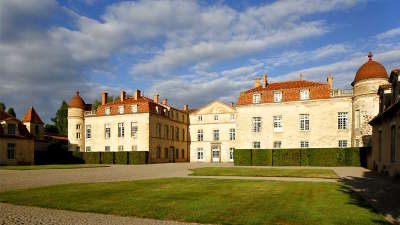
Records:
x=185, y=107
x=104, y=96
x=156, y=97
x=123, y=95
x=232, y=104
x=330, y=79
x=264, y=80
x=301, y=76
x=164, y=101
x=256, y=82
x=136, y=94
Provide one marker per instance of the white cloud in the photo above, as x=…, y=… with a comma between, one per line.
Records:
x=389, y=34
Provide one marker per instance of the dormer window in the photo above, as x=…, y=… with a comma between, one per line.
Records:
x=200, y=118
x=277, y=96
x=256, y=98
x=12, y=129
x=216, y=117
x=134, y=108
x=304, y=94
x=157, y=110
x=121, y=109
x=107, y=110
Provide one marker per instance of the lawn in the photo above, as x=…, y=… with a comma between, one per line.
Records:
x=263, y=172
x=55, y=166
x=209, y=201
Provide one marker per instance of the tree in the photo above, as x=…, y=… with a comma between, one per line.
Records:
x=11, y=112
x=2, y=107
x=50, y=128
x=61, y=119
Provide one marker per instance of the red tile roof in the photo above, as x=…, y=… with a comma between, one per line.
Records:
x=32, y=117
x=370, y=69
x=22, y=131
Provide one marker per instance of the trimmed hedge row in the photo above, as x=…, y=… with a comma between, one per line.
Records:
x=136, y=157
x=297, y=157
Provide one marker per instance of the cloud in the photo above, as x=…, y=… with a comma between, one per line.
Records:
x=389, y=34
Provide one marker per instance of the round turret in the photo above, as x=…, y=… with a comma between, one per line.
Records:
x=76, y=123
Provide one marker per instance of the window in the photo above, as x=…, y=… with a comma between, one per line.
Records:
x=88, y=149
x=157, y=110
x=78, y=135
x=107, y=131
x=12, y=129
x=342, y=120
x=342, y=144
x=200, y=154
x=159, y=152
x=231, y=150
x=183, y=153
x=183, y=118
x=216, y=117
x=134, y=108
x=277, y=144
x=36, y=129
x=277, y=123
x=393, y=143
x=304, y=144
x=232, y=117
x=78, y=148
x=177, y=153
x=172, y=132
x=121, y=130
x=121, y=109
x=78, y=126
x=10, y=151
x=108, y=110
x=277, y=96
x=120, y=148
x=158, y=130
x=88, y=131
x=183, y=134
x=134, y=147
x=177, y=133
x=256, y=98
x=380, y=147
x=166, y=153
x=304, y=94
x=200, y=135
x=357, y=143
x=256, y=144
x=232, y=134
x=199, y=118
x=134, y=129
x=357, y=119
x=216, y=135
x=304, y=122
x=256, y=124
x=166, y=131
x=106, y=148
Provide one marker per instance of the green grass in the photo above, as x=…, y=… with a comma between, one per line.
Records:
x=263, y=172
x=45, y=167
x=209, y=201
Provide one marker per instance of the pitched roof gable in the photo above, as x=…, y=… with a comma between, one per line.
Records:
x=31, y=116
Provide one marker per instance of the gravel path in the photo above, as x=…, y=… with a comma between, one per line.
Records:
x=14, y=214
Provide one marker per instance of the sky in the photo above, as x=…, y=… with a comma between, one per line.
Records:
x=190, y=52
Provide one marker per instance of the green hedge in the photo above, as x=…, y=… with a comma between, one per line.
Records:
x=91, y=158
x=135, y=157
x=138, y=157
x=242, y=157
x=107, y=157
x=121, y=158
x=298, y=157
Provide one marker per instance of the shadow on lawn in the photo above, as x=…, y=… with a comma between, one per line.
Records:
x=381, y=192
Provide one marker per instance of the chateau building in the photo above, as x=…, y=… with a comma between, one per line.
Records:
x=291, y=114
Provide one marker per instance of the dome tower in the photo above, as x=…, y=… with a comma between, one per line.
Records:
x=366, y=83
x=76, y=123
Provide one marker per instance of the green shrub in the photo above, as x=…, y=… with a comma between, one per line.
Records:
x=138, y=157
x=326, y=157
x=121, y=158
x=286, y=157
x=242, y=157
x=352, y=157
x=107, y=157
x=304, y=157
x=262, y=157
x=91, y=157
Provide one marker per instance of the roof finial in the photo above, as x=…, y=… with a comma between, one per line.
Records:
x=370, y=56
x=301, y=76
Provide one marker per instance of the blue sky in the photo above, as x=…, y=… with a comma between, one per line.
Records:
x=187, y=51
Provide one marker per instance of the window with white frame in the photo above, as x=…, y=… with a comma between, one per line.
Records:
x=107, y=131
x=78, y=126
x=277, y=123
x=304, y=94
x=166, y=131
x=342, y=144
x=108, y=110
x=277, y=144
x=342, y=120
x=216, y=117
x=106, y=148
x=357, y=142
x=134, y=108
x=88, y=149
x=357, y=119
x=256, y=124
x=121, y=130
x=256, y=98
x=200, y=154
x=78, y=135
x=134, y=147
x=120, y=147
x=232, y=134
x=177, y=133
x=134, y=129
x=256, y=144
x=232, y=117
x=277, y=96
x=304, y=122
x=200, y=135
x=231, y=150
x=200, y=118
x=10, y=151
x=121, y=109
x=304, y=144
x=158, y=130
x=12, y=129
x=216, y=134
x=88, y=131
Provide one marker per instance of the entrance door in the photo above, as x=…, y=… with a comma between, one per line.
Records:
x=215, y=153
